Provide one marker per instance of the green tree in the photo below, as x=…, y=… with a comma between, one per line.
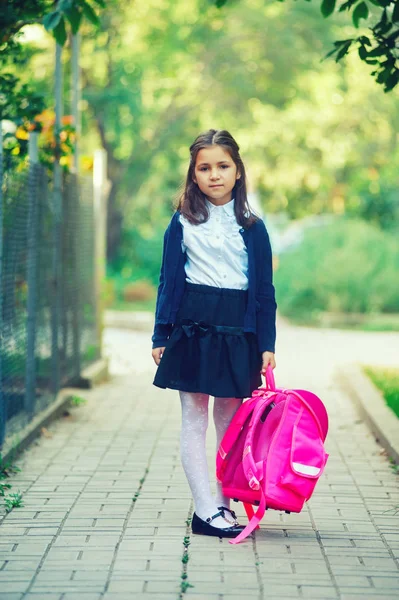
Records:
x=19, y=101
x=156, y=77
x=315, y=136
x=380, y=47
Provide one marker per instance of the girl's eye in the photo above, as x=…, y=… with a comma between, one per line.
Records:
x=206, y=168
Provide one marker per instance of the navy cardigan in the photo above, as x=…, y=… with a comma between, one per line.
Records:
x=260, y=315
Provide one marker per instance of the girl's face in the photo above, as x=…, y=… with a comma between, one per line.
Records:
x=215, y=173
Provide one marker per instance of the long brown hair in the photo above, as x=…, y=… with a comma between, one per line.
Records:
x=192, y=201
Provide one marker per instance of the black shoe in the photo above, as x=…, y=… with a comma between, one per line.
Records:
x=205, y=527
x=233, y=514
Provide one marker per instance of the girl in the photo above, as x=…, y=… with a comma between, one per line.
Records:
x=215, y=315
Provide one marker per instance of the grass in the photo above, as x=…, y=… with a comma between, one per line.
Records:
x=78, y=400
x=142, y=480
x=387, y=380
x=184, y=583
x=13, y=500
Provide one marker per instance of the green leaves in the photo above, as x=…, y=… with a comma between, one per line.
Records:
x=341, y=48
x=74, y=16
x=380, y=49
x=60, y=33
x=327, y=7
x=347, y=5
x=72, y=11
x=55, y=23
x=361, y=12
x=51, y=20
x=89, y=12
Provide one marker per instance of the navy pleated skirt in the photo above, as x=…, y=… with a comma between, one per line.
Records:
x=208, y=350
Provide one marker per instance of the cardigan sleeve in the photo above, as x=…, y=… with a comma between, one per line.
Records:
x=161, y=331
x=265, y=293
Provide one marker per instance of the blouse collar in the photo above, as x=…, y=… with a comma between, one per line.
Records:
x=228, y=208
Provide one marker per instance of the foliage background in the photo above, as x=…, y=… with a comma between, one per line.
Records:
x=317, y=137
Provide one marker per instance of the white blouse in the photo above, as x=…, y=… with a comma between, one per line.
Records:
x=216, y=252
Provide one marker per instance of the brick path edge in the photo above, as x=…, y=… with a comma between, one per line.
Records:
x=371, y=405
x=16, y=443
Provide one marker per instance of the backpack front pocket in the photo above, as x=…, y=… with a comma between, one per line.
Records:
x=307, y=458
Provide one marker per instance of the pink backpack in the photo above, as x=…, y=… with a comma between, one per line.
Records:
x=273, y=454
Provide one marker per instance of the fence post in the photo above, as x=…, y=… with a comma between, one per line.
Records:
x=75, y=96
x=32, y=233
x=3, y=413
x=57, y=203
x=100, y=183
x=74, y=198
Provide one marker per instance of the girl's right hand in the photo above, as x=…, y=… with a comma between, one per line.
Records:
x=157, y=354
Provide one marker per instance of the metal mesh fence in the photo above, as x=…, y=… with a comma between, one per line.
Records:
x=48, y=316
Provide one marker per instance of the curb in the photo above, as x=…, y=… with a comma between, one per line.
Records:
x=16, y=443
x=94, y=374
x=371, y=405
x=135, y=320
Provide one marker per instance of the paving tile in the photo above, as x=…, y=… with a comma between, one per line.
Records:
x=38, y=596
x=96, y=543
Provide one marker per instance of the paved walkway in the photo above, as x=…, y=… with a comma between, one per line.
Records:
x=106, y=500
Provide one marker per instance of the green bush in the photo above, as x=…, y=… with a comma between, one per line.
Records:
x=387, y=380
x=348, y=266
x=139, y=257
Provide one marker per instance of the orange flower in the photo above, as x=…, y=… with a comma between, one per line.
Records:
x=67, y=120
x=47, y=117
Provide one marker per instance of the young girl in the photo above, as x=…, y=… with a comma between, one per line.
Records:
x=215, y=314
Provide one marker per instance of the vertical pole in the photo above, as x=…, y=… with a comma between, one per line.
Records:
x=74, y=197
x=99, y=185
x=3, y=414
x=32, y=233
x=75, y=100
x=57, y=203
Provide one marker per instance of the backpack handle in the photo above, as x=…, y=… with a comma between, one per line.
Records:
x=270, y=381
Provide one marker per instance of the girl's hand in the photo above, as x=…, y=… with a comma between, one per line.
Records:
x=157, y=354
x=267, y=359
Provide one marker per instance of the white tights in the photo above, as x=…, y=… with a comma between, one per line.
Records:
x=193, y=449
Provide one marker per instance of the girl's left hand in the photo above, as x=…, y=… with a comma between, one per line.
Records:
x=267, y=359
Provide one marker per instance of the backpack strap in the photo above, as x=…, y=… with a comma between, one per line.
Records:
x=231, y=435
x=257, y=517
x=254, y=471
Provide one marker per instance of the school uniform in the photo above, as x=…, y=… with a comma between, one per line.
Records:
x=216, y=308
